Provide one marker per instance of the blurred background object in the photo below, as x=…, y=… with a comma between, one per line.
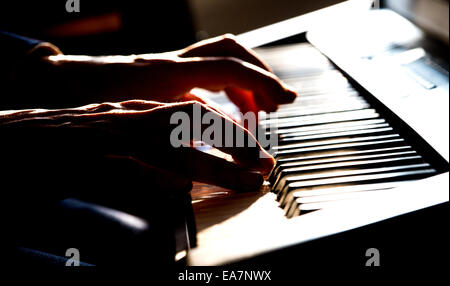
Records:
x=132, y=26
x=431, y=15
x=102, y=26
x=217, y=17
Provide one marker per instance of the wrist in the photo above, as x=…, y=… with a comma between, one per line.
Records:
x=61, y=58
x=173, y=56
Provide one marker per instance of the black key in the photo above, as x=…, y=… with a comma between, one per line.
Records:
x=329, y=157
x=324, y=128
x=333, y=130
x=338, y=159
x=328, y=142
x=395, y=177
x=320, y=119
x=343, y=135
x=326, y=170
x=340, y=106
x=345, y=177
x=333, y=148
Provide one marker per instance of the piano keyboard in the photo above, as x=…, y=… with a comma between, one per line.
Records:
x=340, y=156
x=334, y=146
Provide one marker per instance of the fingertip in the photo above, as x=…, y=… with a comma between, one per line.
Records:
x=291, y=94
x=267, y=162
x=270, y=108
x=288, y=96
x=265, y=103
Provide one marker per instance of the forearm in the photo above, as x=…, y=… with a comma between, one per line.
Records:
x=70, y=80
x=219, y=64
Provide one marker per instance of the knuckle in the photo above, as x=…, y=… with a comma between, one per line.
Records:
x=229, y=38
x=102, y=107
x=231, y=62
x=132, y=104
x=198, y=104
x=189, y=105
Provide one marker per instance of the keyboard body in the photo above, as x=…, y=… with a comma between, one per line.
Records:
x=357, y=168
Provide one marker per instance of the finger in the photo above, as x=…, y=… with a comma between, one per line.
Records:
x=202, y=167
x=141, y=131
x=184, y=164
x=191, y=96
x=145, y=131
x=242, y=98
x=224, y=46
x=126, y=183
x=242, y=145
x=228, y=46
x=220, y=73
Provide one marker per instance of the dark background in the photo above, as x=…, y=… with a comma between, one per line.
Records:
x=138, y=26
x=102, y=26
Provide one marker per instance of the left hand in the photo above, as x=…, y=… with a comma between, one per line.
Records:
x=120, y=142
x=216, y=64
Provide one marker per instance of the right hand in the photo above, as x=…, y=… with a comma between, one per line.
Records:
x=216, y=64
x=127, y=141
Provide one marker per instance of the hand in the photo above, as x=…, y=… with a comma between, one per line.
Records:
x=227, y=46
x=127, y=142
x=216, y=64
